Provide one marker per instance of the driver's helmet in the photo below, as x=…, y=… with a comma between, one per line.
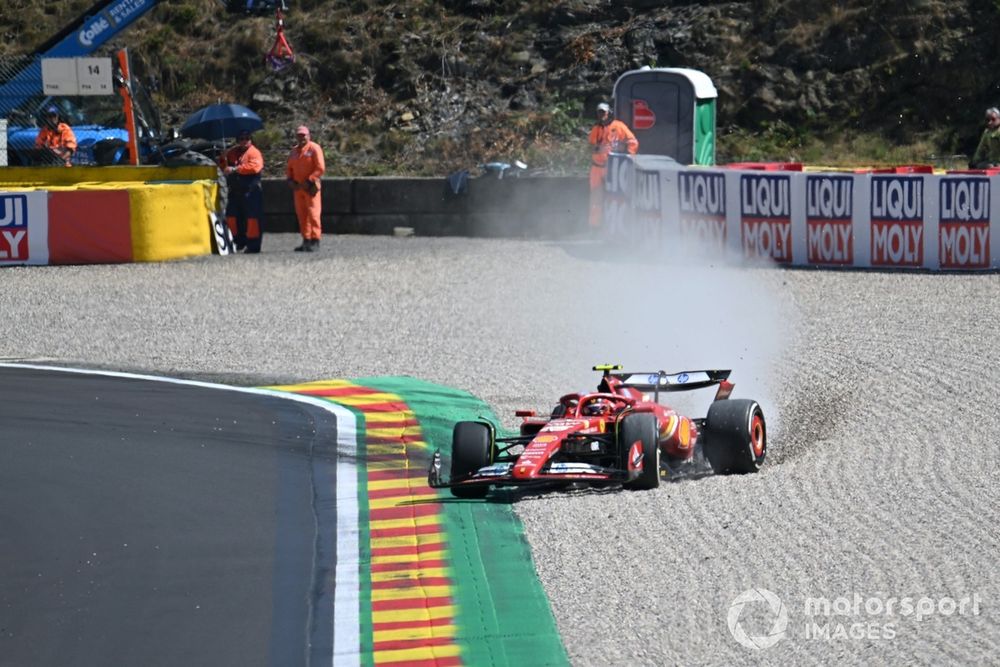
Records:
x=599, y=407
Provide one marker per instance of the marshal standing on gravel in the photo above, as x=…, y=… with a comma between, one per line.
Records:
x=243, y=164
x=305, y=169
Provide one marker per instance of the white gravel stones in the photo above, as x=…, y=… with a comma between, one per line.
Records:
x=880, y=389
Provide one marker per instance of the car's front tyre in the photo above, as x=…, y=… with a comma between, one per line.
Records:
x=642, y=427
x=471, y=449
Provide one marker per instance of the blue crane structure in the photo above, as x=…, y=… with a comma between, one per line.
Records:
x=81, y=37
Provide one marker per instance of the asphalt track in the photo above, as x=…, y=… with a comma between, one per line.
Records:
x=162, y=524
x=882, y=482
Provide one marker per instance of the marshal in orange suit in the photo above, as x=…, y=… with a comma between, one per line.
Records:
x=305, y=169
x=605, y=137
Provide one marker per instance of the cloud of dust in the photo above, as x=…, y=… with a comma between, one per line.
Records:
x=677, y=308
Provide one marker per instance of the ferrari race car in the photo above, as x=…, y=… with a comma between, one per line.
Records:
x=620, y=433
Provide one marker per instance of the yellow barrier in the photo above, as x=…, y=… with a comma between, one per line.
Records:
x=169, y=207
x=169, y=222
x=43, y=177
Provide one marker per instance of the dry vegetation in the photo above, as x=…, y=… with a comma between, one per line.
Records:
x=429, y=86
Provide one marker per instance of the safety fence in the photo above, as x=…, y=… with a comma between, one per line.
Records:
x=97, y=120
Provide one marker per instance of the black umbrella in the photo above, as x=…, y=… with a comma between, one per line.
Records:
x=219, y=121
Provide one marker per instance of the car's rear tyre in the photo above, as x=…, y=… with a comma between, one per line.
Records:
x=641, y=426
x=184, y=158
x=734, y=438
x=110, y=151
x=471, y=449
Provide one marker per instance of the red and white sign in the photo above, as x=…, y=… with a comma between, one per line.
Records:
x=897, y=243
x=830, y=242
x=643, y=117
x=887, y=219
x=964, y=230
x=616, y=202
x=767, y=238
x=829, y=226
x=22, y=231
x=710, y=232
x=965, y=245
x=897, y=221
x=765, y=216
x=702, y=207
x=14, y=245
x=648, y=205
x=14, y=228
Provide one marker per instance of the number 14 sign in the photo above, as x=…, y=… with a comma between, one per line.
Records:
x=77, y=76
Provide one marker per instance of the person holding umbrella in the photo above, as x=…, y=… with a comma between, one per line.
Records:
x=243, y=164
x=220, y=121
x=304, y=170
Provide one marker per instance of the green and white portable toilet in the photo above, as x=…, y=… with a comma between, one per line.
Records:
x=671, y=110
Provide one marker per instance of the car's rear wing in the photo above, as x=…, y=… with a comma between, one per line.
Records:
x=657, y=381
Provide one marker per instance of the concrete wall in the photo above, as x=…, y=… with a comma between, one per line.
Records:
x=535, y=207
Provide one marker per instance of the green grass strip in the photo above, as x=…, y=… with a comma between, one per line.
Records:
x=503, y=616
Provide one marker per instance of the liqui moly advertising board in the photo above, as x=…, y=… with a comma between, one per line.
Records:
x=766, y=216
x=964, y=223
x=647, y=205
x=23, y=228
x=14, y=228
x=701, y=200
x=829, y=220
x=617, y=198
x=897, y=221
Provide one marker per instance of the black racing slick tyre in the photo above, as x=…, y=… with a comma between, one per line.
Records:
x=641, y=426
x=471, y=447
x=735, y=436
x=110, y=151
x=193, y=158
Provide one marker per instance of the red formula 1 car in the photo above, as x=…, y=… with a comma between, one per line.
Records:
x=620, y=433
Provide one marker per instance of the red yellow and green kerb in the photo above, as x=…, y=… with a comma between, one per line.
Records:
x=442, y=582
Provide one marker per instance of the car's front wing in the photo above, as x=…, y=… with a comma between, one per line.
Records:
x=502, y=474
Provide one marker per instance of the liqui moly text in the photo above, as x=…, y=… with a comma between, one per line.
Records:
x=648, y=205
x=964, y=229
x=766, y=216
x=702, y=198
x=13, y=228
x=897, y=221
x=829, y=226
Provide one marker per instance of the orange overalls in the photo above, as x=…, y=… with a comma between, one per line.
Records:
x=306, y=165
x=61, y=141
x=245, y=204
x=613, y=137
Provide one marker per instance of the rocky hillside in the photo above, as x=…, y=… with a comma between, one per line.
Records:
x=429, y=86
